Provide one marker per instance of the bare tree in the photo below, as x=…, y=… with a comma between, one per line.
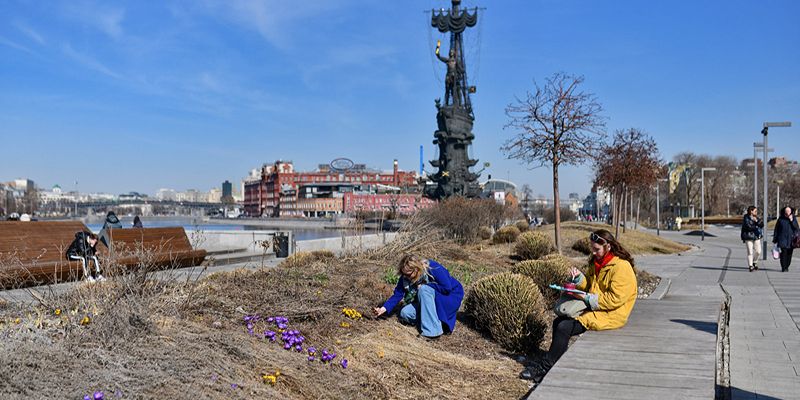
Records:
x=556, y=124
x=630, y=164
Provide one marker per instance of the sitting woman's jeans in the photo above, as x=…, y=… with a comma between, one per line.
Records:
x=423, y=312
x=563, y=329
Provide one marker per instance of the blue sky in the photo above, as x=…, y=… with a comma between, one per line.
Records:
x=185, y=94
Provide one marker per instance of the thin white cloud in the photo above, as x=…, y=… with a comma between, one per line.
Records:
x=275, y=20
x=107, y=20
x=15, y=45
x=89, y=62
x=30, y=32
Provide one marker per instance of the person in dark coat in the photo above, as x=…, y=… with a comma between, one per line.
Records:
x=752, y=232
x=84, y=248
x=112, y=222
x=430, y=295
x=785, y=230
x=137, y=222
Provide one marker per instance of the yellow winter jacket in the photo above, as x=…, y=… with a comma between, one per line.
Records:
x=616, y=290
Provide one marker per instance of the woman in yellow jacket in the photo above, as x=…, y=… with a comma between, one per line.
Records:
x=611, y=292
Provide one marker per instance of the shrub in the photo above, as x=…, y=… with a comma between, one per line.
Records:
x=522, y=225
x=303, y=258
x=485, y=232
x=461, y=218
x=553, y=268
x=532, y=245
x=582, y=246
x=566, y=215
x=510, y=309
x=506, y=234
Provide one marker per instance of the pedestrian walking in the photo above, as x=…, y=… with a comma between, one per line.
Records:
x=785, y=230
x=752, y=232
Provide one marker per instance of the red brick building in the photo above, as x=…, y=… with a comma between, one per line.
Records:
x=279, y=189
x=400, y=203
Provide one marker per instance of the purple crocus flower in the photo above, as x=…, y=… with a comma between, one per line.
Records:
x=344, y=363
x=87, y=397
x=287, y=346
x=312, y=350
x=299, y=348
x=234, y=386
x=310, y=358
x=332, y=356
x=270, y=319
x=98, y=395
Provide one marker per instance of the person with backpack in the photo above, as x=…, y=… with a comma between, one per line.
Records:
x=84, y=248
x=752, y=232
x=785, y=235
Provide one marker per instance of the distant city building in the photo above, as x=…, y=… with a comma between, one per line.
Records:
x=227, y=189
x=214, y=195
x=132, y=196
x=500, y=190
x=277, y=190
x=165, y=194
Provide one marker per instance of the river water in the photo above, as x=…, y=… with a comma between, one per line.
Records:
x=189, y=225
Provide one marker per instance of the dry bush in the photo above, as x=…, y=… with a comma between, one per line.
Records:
x=506, y=234
x=461, y=219
x=551, y=269
x=522, y=225
x=510, y=308
x=485, y=233
x=549, y=215
x=583, y=246
x=532, y=245
x=304, y=258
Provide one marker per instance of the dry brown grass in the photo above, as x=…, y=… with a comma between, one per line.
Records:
x=636, y=242
x=183, y=339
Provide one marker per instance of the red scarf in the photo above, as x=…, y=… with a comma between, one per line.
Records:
x=598, y=265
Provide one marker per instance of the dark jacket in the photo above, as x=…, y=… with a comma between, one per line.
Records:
x=449, y=294
x=111, y=222
x=80, y=247
x=785, y=230
x=752, y=228
x=137, y=222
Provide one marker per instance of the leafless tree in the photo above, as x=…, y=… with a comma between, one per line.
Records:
x=630, y=164
x=556, y=124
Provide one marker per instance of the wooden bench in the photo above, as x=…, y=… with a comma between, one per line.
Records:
x=153, y=248
x=33, y=252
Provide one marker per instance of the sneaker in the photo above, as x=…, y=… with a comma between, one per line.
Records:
x=90, y=279
x=755, y=267
x=750, y=268
x=101, y=278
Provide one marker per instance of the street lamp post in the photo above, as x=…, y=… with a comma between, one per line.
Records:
x=658, y=206
x=778, y=200
x=703, y=201
x=765, y=132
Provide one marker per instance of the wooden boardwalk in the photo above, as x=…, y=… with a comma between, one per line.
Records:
x=666, y=351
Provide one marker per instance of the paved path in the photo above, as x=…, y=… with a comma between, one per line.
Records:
x=670, y=345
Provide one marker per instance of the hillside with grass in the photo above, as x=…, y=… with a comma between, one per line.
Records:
x=302, y=330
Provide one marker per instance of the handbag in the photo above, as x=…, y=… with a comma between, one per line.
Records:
x=796, y=240
x=568, y=306
x=776, y=252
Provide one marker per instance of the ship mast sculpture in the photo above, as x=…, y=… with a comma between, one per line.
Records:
x=455, y=117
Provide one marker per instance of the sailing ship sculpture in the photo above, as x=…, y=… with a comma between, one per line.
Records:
x=455, y=116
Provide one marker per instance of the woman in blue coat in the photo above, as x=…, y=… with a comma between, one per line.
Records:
x=430, y=295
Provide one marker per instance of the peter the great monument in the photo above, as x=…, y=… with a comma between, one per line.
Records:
x=454, y=116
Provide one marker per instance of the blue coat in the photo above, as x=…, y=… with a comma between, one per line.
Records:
x=449, y=294
x=784, y=232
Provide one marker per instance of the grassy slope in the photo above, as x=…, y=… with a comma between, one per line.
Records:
x=183, y=340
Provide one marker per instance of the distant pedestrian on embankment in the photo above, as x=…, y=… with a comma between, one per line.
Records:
x=784, y=236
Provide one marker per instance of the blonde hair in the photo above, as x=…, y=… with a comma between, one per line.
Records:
x=418, y=265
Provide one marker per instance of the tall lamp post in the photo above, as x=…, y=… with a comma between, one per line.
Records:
x=778, y=198
x=703, y=201
x=757, y=146
x=765, y=132
x=658, y=205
